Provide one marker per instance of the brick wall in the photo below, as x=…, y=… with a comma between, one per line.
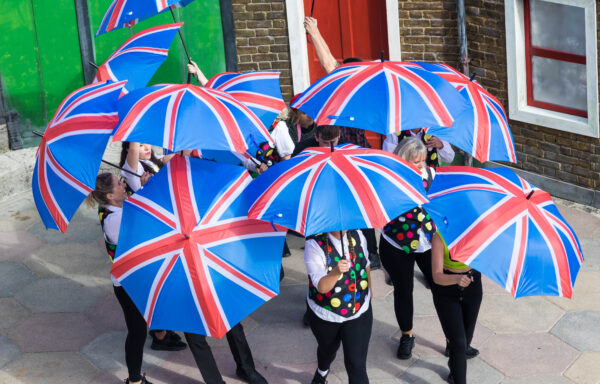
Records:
x=428, y=32
x=261, y=39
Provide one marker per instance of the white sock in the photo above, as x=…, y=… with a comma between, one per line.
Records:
x=322, y=373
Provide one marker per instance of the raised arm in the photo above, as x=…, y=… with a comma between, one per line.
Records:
x=195, y=70
x=328, y=62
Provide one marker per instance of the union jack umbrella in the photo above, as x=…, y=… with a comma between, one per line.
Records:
x=127, y=13
x=385, y=97
x=321, y=191
x=506, y=228
x=188, y=255
x=70, y=152
x=481, y=130
x=184, y=116
x=139, y=57
x=259, y=91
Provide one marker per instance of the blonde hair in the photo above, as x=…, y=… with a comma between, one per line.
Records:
x=409, y=147
x=104, y=186
x=290, y=115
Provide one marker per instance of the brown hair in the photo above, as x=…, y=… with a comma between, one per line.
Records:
x=104, y=186
x=327, y=132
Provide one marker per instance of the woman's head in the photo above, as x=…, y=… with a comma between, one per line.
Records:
x=144, y=153
x=412, y=150
x=295, y=116
x=109, y=191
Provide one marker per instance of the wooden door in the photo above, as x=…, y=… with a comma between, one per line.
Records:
x=351, y=28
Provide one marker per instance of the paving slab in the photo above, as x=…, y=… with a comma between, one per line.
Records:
x=84, y=227
x=528, y=354
x=586, y=369
x=58, y=295
x=107, y=352
x=15, y=245
x=106, y=314
x=490, y=287
x=591, y=255
x=13, y=278
x=11, y=312
x=49, y=367
x=580, y=330
x=76, y=261
x=536, y=380
x=586, y=294
x=8, y=351
x=53, y=332
x=18, y=213
x=283, y=343
x=428, y=370
x=287, y=307
x=505, y=314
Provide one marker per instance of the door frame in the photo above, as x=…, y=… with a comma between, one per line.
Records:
x=298, y=44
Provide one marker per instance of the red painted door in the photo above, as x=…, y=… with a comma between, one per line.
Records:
x=351, y=28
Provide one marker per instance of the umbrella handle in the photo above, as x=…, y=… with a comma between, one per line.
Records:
x=181, y=37
x=121, y=168
x=312, y=8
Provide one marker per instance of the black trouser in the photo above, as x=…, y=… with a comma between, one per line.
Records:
x=136, y=335
x=206, y=361
x=354, y=336
x=369, y=234
x=458, y=310
x=401, y=268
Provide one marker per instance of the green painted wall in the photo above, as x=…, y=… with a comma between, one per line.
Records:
x=40, y=61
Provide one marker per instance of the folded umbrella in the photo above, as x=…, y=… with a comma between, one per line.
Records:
x=188, y=255
x=504, y=227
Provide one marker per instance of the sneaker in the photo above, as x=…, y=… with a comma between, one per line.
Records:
x=318, y=379
x=407, y=343
x=253, y=377
x=471, y=352
x=144, y=380
x=171, y=342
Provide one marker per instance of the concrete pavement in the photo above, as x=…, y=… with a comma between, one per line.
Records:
x=60, y=321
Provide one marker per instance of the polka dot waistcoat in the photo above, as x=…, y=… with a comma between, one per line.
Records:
x=348, y=294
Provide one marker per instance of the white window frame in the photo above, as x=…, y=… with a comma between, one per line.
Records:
x=298, y=45
x=517, y=81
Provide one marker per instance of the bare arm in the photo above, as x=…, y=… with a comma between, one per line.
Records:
x=133, y=155
x=437, y=266
x=328, y=62
x=195, y=70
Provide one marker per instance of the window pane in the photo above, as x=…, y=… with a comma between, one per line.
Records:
x=558, y=26
x=560, y=83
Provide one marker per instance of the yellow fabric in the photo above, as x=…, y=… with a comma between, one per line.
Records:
x=448, y=262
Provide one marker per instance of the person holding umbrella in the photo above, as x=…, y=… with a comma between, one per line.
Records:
x=436, y=148
x=457, y=294
x=110, y=194
x=339, y=299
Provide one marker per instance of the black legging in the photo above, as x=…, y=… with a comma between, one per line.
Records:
x=457, y=310
x=401, y=268
x=354, y=335
x=136, y=334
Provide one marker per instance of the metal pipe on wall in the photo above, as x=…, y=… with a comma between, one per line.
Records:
x=464, y=53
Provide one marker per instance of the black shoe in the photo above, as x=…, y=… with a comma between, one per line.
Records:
x=407, y=343
x=318, y=379
x=144, y=380
x=171, y=342
x=253, y=377
x=450, y=378
x=471, y=352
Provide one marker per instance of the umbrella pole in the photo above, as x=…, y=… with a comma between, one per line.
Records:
x=312, y=8
x=187, y=54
